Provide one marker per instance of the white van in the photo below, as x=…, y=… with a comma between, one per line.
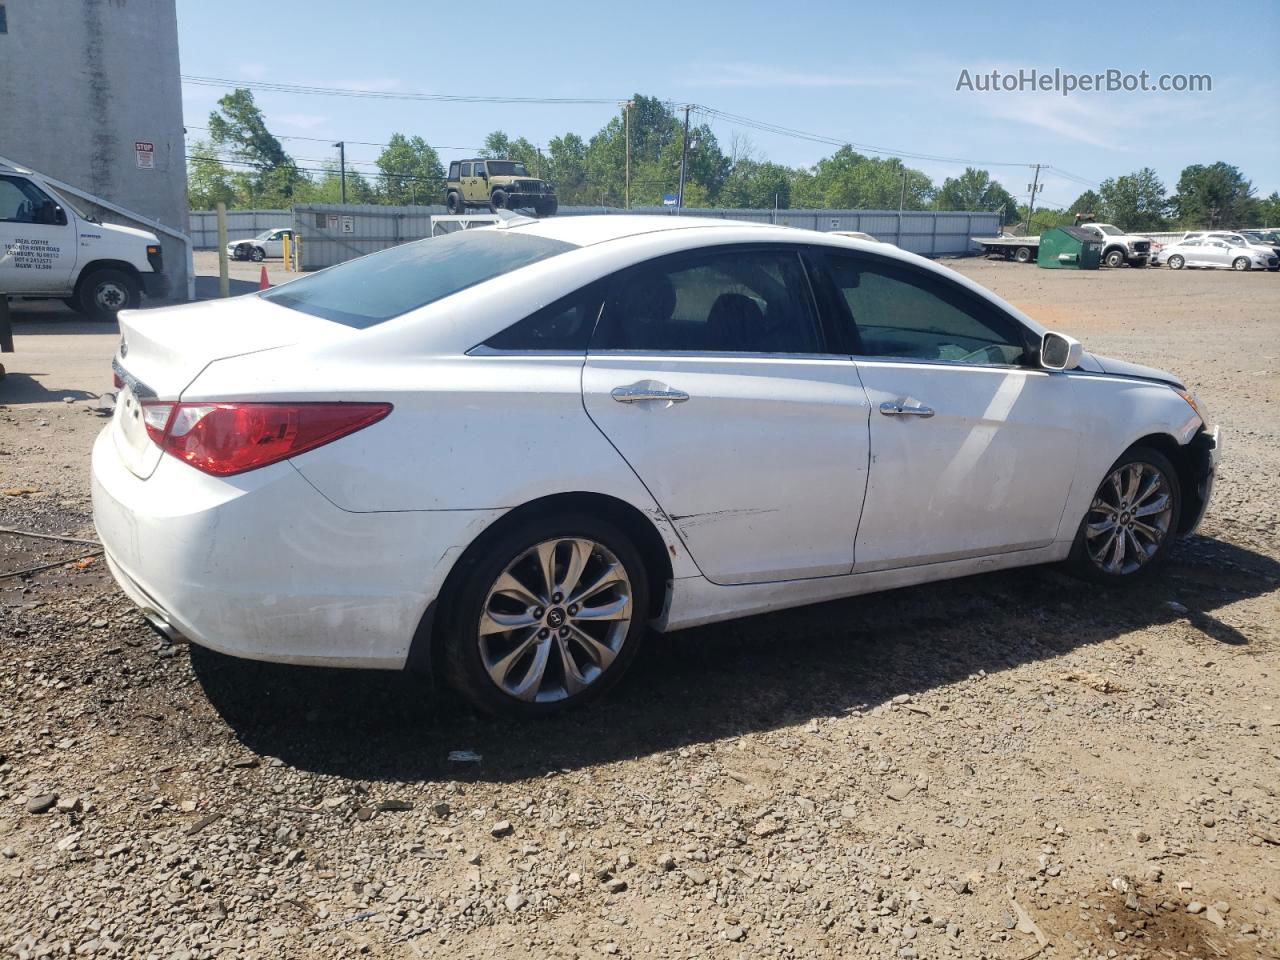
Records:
x=51, y=250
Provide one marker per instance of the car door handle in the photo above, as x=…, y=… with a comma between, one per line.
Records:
x=892, y=408
x=640, y=391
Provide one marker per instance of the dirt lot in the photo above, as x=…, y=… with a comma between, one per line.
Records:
x=1005, y=766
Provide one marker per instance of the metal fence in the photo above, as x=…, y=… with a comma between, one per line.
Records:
x=332, y=233
x=241, y=225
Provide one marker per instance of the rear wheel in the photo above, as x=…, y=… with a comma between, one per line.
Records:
x=1176, y=262
x=453, y=203
x=1131, y=523
x=106, y=292
x=1023, y=254
x=257, y=254
x=1240, y=263
x=547, y=615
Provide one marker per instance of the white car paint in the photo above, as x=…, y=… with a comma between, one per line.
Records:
x=1221, y=252
x=270, y=242
x=778, y=483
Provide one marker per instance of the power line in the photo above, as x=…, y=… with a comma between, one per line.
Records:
x=362, y=143
x=273, y=87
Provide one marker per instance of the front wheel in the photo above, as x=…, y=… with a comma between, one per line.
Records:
x=257, y=255
x=498, y=201
x=1131, y=523
x=1240, y=263
x=547, y=615
x=1114, y=258
x=106, y=292
x=1176, y=262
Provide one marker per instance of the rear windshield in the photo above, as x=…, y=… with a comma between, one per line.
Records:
x=362, y=293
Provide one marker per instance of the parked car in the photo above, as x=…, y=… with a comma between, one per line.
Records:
x=269, y=243
x=1217, y=251
x=856, y=234
x=1118, y=247
x=505, y=453
x=496, y=185
x=51, y=250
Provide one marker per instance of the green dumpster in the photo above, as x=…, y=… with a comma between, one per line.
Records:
x=1069, y=248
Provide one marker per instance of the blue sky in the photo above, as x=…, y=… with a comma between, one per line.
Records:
x=880, y=73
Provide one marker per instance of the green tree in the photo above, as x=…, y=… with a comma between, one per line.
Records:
x=976, y=190
x=208, y=179
x=411, y=172
x=1088, y=202
x=1135, y=201
x=848, y=179
x=238, y=127
x=1269, y=211
x=567, y=169
x=1217, y=195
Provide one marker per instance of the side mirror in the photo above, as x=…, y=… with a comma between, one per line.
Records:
x=59, y=215
x=1060, y=352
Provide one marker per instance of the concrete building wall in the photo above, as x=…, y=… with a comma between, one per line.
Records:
x=83, y=81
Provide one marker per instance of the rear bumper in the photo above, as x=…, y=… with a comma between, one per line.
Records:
x=262, y=566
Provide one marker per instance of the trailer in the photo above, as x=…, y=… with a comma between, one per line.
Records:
x=1021, y=249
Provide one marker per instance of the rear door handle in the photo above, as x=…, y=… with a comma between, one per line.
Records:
x=636, y=392
x=892, y=408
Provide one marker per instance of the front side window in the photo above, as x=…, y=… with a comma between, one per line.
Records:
x=479, y=169
x=901, y=312
x=21, y=201
x=734, y=301
x=368, y=291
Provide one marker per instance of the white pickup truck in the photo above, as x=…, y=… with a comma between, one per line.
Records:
x=51, y=250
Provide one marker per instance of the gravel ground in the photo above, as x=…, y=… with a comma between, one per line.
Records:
x=1005, y=766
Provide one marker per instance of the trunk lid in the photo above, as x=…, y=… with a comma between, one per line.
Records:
x=163, y=350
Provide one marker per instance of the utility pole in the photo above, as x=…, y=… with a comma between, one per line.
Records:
x=626, y=122
x=684, y=158
x=1035, y=184
x=902, y=199
x=342, y=166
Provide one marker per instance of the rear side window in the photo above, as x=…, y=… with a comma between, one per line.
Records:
x=734, y=301
x=453, y=170
x=362, y=293
x=563, y=326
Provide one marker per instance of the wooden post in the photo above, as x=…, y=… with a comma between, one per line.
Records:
x=224, y=276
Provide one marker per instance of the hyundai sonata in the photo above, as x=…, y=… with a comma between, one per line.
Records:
x=508, y=453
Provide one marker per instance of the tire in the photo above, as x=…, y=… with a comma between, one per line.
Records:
x=257, y=254
x=1022, y=254
x=104, y=293
x=473, y=660
x=1130, y=480
x=498, y=201
x=1114, y=258
x=1176, y=262
x=453, y=203
x=547, y=208
x=1240, y=263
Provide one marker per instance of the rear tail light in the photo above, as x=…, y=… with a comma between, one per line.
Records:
x=228, y=438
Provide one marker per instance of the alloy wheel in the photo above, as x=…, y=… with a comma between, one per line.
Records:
x=1129, y=519
x=555, y=619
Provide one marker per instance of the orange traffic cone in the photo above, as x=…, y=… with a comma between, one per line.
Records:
x=263, y=282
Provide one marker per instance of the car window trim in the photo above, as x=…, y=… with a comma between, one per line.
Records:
x=1031, y=350
x=793, y=249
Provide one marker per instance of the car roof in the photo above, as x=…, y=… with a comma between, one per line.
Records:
x=590, y=229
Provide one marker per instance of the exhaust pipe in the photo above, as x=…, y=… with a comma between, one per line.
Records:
x=162, y=626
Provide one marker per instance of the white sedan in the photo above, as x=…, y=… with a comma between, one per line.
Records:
x=269, y=243
x=507, y=453
x=1219, y=251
